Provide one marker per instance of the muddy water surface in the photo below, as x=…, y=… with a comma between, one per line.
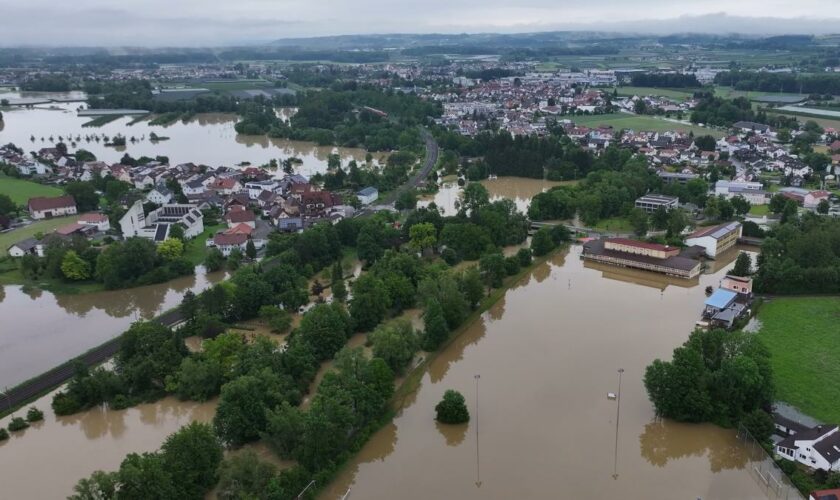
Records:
x=208, y=139
x=518, y=189
x=547, y=355
x=41, y=330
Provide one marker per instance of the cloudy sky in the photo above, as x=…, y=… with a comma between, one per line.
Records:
x=216, y=22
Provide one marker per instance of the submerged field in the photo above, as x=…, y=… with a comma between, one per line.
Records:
x=804, y=342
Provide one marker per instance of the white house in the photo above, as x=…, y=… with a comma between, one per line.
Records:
x=256, y=188
x=716, y=239
x=194, y=187
x=26, y=247
x=33, y=167
x=45, y=208
x=100, y=221
x=159, y=195
x=817, y=447
x=368, y=195
x=813, y=198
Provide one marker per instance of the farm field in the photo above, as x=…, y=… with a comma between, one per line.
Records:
x=43, y=226
x=801, y=334
x=677, y=94
x=642, y=123
x=20, y=190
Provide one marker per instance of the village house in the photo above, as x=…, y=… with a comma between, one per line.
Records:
x=159, y=195
x=817, y=447
x=97, y=220
x=29, y=246
x=45, y=208
x=238, y=214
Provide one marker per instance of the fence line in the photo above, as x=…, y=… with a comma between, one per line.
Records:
x=776, y=484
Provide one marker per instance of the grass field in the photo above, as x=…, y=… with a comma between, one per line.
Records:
x=730, y=93
x=42, y=226
x=614, y=225
x=20, y=190
x=676, y=94
x=197, y=249
x=760, y=210
x=642, y=123
x=235, y=85
x=804, y=342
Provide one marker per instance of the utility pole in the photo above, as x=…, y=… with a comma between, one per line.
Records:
x=617, y=416
x=477, y=468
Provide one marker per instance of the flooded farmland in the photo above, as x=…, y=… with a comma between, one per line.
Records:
x=41, y=330
x=518, y=189
x=208, y=138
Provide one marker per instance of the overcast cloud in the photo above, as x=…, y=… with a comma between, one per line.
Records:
x=215, y=23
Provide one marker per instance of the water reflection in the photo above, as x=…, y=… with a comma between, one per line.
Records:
x=454, y=434
x=42, y=329
x=665, y=441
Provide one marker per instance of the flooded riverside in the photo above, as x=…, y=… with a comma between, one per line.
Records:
x=70, y=448
x=41, y=330
x=208, y=138
x=518, y=189
x=547, y=355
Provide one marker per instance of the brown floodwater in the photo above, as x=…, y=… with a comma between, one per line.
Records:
x=70, y=448
x=40, y=330
x=548, y=354
x=518, y=189
x=208, y=138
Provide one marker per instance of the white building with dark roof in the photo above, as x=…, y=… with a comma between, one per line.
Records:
x=157, y=224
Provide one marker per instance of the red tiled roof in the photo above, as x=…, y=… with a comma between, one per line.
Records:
x=230, y=239
x=41, y=203
x=240, y=228
x=93, y=218
x=238, y=216
x=69, y=229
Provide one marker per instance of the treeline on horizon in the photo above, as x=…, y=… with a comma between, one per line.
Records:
x=827, y=83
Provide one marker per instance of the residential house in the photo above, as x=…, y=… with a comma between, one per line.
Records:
x=45, y=208
x=226, y=186
x=813, y=198
x=99, y=221
x=817, y=447
x=159, y=195
x=240, y=215
x=833, y=494
x=29, y=246
x=155, y=226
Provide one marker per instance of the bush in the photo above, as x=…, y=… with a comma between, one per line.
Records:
x=452, y=409
x=34, y=415
x=524, y=256
x=18, y=424
x=511, y=265
x=450, y=256
x=4, y=434
x=65, y=404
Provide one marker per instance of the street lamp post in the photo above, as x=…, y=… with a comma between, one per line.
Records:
x=477, y=469
x=300, y=495
x=617, y=416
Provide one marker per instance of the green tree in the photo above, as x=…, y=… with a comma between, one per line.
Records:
x=7, y=206
x=192, y=455
x=325, y=328
x=85, y=195
x=743, y=265
x=492, y=267
x=760, y=424
x=170, y=248
x=370, y=302
x=396, y=343
x=436, y=331
x=234, y=259
x=244, y=476
x=74, y=267
x=639, y=221
x=705, y=143
x=283, y=429
x=278, y=319
x=339, y=289
x=452, y=409
x=250, y=250
x=541, y=242
x=149, y=352
x=660, y=218
x=199, y=378
x=471, y=285
x=145, y=476
x=740, y=205
x=475, y=197
x=677, y=221
x=241, y=414
x=777, y=203
x=823, y=207
x=99, y=486
x=214, y=261
x=423, y=236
